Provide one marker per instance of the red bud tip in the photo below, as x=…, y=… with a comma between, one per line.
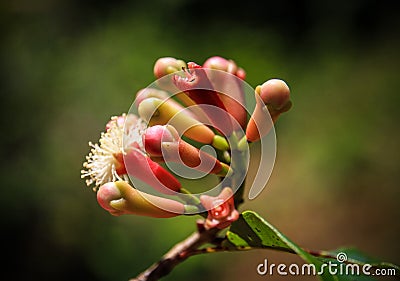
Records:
x=107, y=193
x=275, y=93
x=157, y=134
x=220, y=63
x=167, y=65
x=120, y=198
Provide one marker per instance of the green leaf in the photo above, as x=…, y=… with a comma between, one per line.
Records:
x=252, y=231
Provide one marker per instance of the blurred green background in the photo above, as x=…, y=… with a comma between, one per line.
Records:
x=67, y=66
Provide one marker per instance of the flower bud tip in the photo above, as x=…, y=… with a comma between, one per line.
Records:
x=108, y=193
x=167, y=65
x=275, y=93
x=156, y=135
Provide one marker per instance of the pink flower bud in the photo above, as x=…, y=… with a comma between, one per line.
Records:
x=164, y=143
x=167, y=65
x=154, y=136
x=260, y=122
x=194, y=112
x=241, y=73
x=275, y=93
x=229, y=87
x=273, y=98
x=145, y=93
x=220, y=63
x=106, y=194
x=161, y=95
x=157, y=112
x=221, y=209
x=197, y=85
x=141, y=167
x=119, y=198
x=199, y=88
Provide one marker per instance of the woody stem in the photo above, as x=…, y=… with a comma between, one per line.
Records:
x=177, y=254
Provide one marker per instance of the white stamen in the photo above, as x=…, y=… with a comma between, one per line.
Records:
x=101, y=164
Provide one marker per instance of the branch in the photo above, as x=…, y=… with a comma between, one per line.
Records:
x=179, y=253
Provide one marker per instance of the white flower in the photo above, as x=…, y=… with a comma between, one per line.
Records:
x=105, y=161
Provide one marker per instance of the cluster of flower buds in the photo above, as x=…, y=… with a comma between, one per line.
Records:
x=189, y=106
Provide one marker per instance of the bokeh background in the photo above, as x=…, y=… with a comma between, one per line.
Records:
x=67, y=66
